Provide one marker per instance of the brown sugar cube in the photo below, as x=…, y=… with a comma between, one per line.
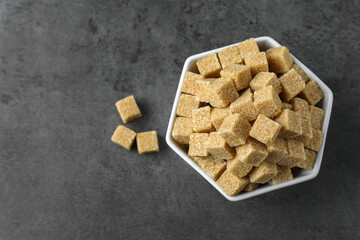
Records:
x=124, y=137
x=244, y=105
x=292, y=85
x=317, y=117
x=252, y=152
x=315, y=143
x=235, y=130
x=284, y=174
x=267, y=101
x=232, y=184
x=201, y=118
x=279, y=59
x=296, y=154
x=300, y=71
x=251, y=187
x=285, y=105
x=189, y=86
x=257, y=63
x=128, y=109
x=264, y=129
x=263, y=79
x=209, y=66
x=306, y=131
x=291, y=124
x=301, y=106
x=309, y=161
x=203, y=89
x=264, y=173
x=147, y=142
x=240, y=74
x=218, y=148
x=218, y=115
x=213, y=168
x=223, y=92
x=229, y=55
x=247, y=47
x=182, y=129
x=197, y=145
x=277, y=151
x=237, y=167
x=187, y=103
x=312, y=93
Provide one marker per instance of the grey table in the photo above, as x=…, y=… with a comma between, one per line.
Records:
x=64, y=64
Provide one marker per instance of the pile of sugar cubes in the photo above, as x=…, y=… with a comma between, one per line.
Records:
x=249, y=117
x=146, y=141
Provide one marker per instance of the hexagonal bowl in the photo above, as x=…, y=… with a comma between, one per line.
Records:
x=300, y=175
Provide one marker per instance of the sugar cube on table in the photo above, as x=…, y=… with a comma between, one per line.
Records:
x=147, y=142
x=124, y=137
x=128, y=109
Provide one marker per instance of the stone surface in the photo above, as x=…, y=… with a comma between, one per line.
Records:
x=65, y=63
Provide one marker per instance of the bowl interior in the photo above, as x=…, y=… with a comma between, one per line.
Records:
x=300, y=175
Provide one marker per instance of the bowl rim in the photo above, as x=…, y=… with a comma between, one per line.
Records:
x=310, y=174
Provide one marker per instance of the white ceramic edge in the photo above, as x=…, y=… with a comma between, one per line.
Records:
x=327, y=106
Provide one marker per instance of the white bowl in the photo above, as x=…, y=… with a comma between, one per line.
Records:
x=300, y=175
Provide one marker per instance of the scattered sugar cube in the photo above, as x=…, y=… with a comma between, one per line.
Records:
x=182, y=129
x=218, y=115
x=235, y=130
x=267, y=101
x=237, y=167
x=229, y=55
x=251, y=187
x=128, y=109
x=232, y=184
x=296, y=154
x=147, y=142
x=240, y=74
x=189, y=86
x=309, y=161
x=264, y=129
x=247, y=47
x=244, y=105
x=284, y=174
x=187, y=103
x=317, y=117
x=213, y=168
x=203, y=89
x=197, y=145
x=257, y=63
x=263, y=79
x=279, y=59
x=218, y=148
x=291, y=124
x=252, y=152
x=264, y=173
x=223, y=92
x=277, y=151
x=301, y=106
x=209, y=66
x=312, y=92
x=300, y=71
x=201, y=118
x=286, y=105
x=292, y=85
x=124, y=137
x=315, y=143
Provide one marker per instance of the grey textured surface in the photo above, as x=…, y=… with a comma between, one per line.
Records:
x=63, y=64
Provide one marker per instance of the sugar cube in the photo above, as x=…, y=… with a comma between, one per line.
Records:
x=197, y=145
x=234, y=129
x=201, y=119
x=284, y=174
x=244, y=105
x=203, y=89
x=277, y=151
x=218, y=115
x=251, y=187
x=301, y=106
x=279, y=59
x=315, y=143
x=264, y=129
x=291, y=124
x=292, y=85
x=218, y=148
x=187, y=103
x=237, y=167
x=147, y=142
x=309, y=161
x=267, y=101
x=128, y=109
x=247, y=47
x=213, y=168
x=223, y=92
x=312, y=92
x=124, y=137
x=232, y=184
x=209, y=66
x=263, y=79
x=264, y=173
x=229, y=55
x=257, y=63
x=317, y=117
x=182, y=129
x=252, y=152
x=300, y=71
x=296, y=154
x=189, y=86
x=239, y=73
